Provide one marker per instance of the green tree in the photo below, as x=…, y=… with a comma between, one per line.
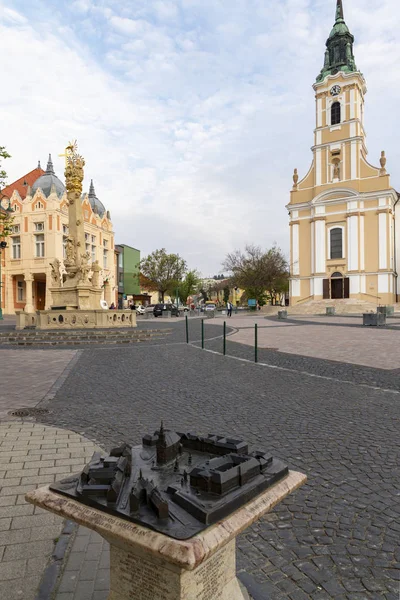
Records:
x=3, y=175
x=226, y=294
x=164, y=270
x=189, y=286
x=6, y=218
x=257, y=271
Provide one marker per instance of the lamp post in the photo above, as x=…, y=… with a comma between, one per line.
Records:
x=3, y=246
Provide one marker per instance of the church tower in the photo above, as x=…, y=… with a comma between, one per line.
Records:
x=342, y=213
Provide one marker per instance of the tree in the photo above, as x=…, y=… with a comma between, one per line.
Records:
x=226, y=294
x=189, y=286
x=3, y=175
x=163, y=270
x=6, y=218
x=257, y=271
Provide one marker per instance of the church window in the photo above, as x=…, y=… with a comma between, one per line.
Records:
x=335, y=113
x=39, y=226
x=337, y=242
x=16, y=228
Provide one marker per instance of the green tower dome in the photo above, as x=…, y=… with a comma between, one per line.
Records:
x=339, y=54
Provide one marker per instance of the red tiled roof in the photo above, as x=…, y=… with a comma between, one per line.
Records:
x=21, y=185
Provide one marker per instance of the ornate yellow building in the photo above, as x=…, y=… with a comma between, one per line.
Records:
x=342, y=213
x=39, y=235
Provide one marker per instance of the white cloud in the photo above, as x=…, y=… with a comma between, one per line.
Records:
x=191, y=114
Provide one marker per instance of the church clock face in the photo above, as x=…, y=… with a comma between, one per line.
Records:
x=335, y=91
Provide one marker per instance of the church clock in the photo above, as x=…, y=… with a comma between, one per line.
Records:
x=335, y=91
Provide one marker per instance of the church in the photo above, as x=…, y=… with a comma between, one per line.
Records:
x=344, y=238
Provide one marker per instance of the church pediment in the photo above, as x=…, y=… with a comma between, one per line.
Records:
x=334, y=195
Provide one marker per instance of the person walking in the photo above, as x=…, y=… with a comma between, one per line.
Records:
x=229, y=307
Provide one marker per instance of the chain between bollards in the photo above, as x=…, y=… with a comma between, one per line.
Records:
x=187, y=329
x=224, y=338
x=202, y=334
x=255, y=343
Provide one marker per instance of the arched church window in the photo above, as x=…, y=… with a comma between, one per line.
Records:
x=335, y=113
x=337, y=242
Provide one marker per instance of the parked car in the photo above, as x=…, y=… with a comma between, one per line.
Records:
x=149, y=308
x=140, y=310
x=160, y=308
x=210, y=307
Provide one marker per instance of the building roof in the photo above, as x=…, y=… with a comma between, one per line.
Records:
x=97, y=206
x=22, y=184
x=49, y=182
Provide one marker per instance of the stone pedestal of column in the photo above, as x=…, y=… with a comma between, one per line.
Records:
x=146, y=565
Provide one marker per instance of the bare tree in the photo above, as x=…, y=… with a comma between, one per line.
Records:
x=257, y=271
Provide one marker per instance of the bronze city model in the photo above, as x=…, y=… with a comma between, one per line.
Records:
x=175, y=483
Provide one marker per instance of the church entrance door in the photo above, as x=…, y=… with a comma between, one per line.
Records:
x=336, y=289
x=340, y=286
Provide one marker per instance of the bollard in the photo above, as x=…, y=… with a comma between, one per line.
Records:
x=187, y=329
x=224, y=338
x=255, y=343
x=202, y=334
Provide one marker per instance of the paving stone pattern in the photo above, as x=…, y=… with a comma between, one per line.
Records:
x=336, y=537
x=31, y=455
x=40, y=370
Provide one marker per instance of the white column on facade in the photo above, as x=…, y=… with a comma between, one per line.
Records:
x=354, y=284
x=383, y=283
x=318, y=286
x=320, y=252
x=318, y=167
x=29, y=294
x=312, y=248
x=343, y=165
x=353, y=160
x=295, y=287
x=9, y=309
x=352, y=104
x=319, y=112
x=383, y=241
x=391, y=237
x=352, y=243
x=362, y=244
x=295, y=250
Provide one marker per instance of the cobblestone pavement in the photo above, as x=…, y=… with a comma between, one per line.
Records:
x=28, y=375
x=32, y=455
x=338, y=536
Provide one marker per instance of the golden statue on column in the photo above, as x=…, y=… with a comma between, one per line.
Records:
x=78, y=290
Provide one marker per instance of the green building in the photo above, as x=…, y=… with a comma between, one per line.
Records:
x=128, y=261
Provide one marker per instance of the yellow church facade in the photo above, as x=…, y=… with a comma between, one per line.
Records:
x=342, y=213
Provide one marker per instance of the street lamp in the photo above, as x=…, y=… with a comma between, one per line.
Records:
x=3, y=246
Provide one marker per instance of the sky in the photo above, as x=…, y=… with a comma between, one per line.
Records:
x=191, y=114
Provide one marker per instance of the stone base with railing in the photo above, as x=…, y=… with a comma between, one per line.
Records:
x=76, y=319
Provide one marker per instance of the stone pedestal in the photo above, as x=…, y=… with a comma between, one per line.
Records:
x=83, y=297
x=146, y=565
x=282, y=314
x=77, y=319
x=330, y=311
